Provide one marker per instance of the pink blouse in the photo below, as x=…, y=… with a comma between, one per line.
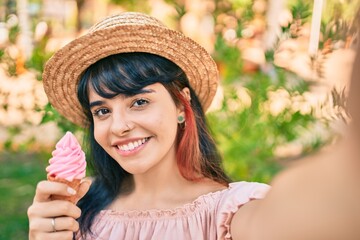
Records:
x=208, y=217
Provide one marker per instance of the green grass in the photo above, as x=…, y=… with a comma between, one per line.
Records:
x=19, y=174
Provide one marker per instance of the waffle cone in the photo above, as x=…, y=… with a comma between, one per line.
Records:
x=75, y=184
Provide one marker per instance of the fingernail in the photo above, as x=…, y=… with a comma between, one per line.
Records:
x=71, y=191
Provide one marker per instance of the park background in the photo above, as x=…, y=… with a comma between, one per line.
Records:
x=282, y=94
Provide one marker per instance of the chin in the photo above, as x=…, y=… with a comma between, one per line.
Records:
x=135, y=170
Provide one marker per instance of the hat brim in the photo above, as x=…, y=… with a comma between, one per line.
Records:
x=63, y=71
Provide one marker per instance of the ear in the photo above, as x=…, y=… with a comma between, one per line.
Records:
x=186, y=93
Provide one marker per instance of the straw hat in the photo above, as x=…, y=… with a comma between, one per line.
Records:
x=122, y=33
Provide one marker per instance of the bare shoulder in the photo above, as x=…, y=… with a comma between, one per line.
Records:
x=207, y=186
x=193, y=190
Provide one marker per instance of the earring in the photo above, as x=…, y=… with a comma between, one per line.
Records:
x=180, y=119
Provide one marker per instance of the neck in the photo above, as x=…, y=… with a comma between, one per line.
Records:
x=162, y=187
x=159, y=183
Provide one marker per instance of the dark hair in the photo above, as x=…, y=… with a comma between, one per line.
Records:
x=136, y=71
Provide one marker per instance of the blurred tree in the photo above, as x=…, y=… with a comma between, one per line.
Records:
x=263, y=117
x=79, y=5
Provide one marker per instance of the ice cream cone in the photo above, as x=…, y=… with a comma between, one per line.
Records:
x=67, y=165
x=75, y=184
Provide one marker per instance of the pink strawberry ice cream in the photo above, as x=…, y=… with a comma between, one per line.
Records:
x=67, y=166
x=68, y=161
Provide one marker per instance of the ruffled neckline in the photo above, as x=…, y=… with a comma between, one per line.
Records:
x=200, y=203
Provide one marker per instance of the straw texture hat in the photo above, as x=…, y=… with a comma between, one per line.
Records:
x=123, y=33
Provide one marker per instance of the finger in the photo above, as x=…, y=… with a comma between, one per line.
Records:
x=66, y=224
x=62, y=235
x=84, y=188
x=54, y=224
x=54, y=209
x=45, y=189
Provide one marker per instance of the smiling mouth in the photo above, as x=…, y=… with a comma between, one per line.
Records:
x=132, y=145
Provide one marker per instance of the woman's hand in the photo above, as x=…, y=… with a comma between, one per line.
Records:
x=54, y=219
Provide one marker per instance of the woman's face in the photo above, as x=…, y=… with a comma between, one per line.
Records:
x=138, y=131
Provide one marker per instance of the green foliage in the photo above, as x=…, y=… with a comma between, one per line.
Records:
x=13, y=33
x=242, y=9
x=301, y=12
x=51, y=115
x=133, y=5
x=337, y=28
x=248, y=136
x=10, y=63
x=179, y=7
x=12, y=131
x=344, y=10
x=38, y=58
x=248, y=132
x=229, y=60
x=19, y=174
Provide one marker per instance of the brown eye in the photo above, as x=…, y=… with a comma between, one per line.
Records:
x=100, y=112
x=140, y=102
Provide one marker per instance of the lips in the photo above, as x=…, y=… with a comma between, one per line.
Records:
x=133, y=145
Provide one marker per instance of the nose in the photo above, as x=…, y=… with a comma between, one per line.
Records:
x=120, y=125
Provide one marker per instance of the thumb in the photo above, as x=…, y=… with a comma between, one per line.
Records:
x=84, y=188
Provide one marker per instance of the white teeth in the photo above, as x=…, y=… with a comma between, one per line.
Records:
x=132, y=145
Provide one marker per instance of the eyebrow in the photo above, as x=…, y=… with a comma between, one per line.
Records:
x=141, y=91
x=96, y=103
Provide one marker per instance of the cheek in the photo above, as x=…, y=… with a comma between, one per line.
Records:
x=161, y=121
x=98, y=135
x=167, y=123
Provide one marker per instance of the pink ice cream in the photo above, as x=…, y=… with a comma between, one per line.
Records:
x=68, y=161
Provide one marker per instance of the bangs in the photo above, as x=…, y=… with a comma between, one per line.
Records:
x=128, y=73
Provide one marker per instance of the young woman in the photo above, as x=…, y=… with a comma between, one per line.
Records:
x=141, y=90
